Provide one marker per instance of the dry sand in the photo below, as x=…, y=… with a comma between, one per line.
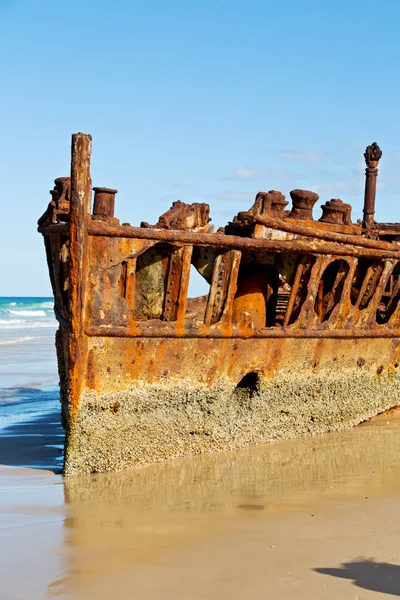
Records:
x=310, y=518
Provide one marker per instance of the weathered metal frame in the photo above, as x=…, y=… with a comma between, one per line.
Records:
x=105, y=344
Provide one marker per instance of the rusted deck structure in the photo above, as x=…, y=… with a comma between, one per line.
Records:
x=299, y=332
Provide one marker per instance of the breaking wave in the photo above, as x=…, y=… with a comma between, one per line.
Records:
x=26, y=313
x=18, y=340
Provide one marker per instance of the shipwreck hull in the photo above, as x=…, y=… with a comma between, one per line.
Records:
x=166, y=405
x=298, y=334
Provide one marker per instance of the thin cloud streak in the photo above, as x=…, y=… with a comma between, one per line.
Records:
x=264, y=174
x=303, y=156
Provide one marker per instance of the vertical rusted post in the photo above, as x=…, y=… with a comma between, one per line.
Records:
x=184, y=284
x=177, y=284
x=293, y=292
x=232, y=287
x=222, y=287
x=130, y=282
x=372, y=155
x=81, y=194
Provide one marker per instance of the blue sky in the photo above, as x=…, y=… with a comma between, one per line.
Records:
x=206, y=101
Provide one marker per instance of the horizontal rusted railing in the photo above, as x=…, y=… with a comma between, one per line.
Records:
x=233, y=242
x=351, y=245
x=364, y=248
x=222, y=333
x=289, y=226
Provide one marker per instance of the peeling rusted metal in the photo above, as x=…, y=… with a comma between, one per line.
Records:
x=81, y=192
x=104, y=205
x=336, y=212
x=276, y=276
x=193, y=217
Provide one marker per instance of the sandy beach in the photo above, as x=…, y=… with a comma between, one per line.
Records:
x=315, y=517
x=309, y=518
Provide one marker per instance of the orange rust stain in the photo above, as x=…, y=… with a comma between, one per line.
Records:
x=157, y=363
x=226, y=329
x=180, y=324
x=317, y=353
x=272, y=365
x=210, y=351
x=90, y=371
x=223, y=353
x=396, y=356
x=233, y=358
x=389, y=411
x=251, y=297
x=136, y=357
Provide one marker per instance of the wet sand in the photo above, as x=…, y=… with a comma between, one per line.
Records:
x=309, y=518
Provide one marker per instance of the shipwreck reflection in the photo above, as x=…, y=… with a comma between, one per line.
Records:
x=121, y=523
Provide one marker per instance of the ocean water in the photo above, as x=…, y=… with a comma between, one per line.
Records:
x=28, y=367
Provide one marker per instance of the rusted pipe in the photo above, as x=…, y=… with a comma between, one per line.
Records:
x=217, y=332
x=104, y=203
x=311, y=232
x=361, y=247
x=372, y=156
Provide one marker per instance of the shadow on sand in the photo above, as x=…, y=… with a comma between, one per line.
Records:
x=35, y=442
x=368, y=574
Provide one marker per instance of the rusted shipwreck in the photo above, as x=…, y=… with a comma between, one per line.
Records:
x=299, y=332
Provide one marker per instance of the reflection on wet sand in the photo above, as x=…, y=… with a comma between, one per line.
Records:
x=273, y=476
x=120, y=526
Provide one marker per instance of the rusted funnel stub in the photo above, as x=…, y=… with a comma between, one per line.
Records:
x=336, y=212
x=303, y=203
x=104, y=203
x=278, y=203
x=61, y=191
x=262, y=204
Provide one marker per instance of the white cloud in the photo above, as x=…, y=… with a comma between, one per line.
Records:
x=341, y=189
x=268, y=173
x=230, y=195
x=359, y=169
x=243, y=173
x=303, y=156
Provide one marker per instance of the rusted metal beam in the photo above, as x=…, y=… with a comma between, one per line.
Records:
x=130, y=282
x=61, y=228
x=330, y=236
x=231, y=242
x=222, y=286
x=293, y=292
x=235, y=258
x=81, y=194
x=184, y=285
x=274, y=332
x=177, y=284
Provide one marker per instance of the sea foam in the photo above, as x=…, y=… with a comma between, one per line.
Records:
x=27, y=313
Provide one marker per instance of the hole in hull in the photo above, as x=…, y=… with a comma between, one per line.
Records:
x=248, y=386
